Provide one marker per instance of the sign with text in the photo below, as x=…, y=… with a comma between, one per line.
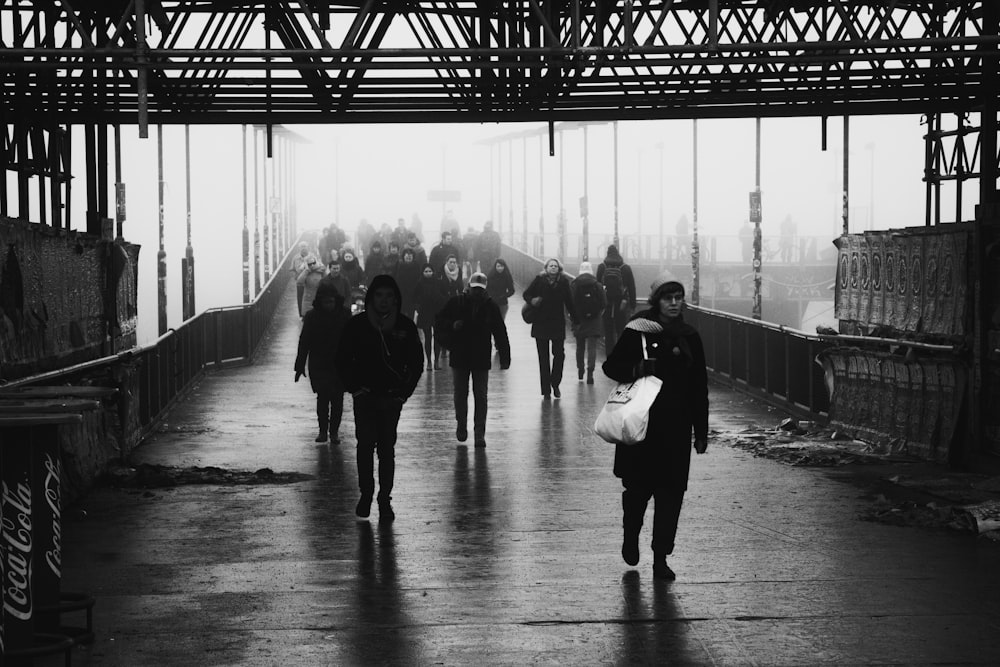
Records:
x=755, y=214
x=444, y=195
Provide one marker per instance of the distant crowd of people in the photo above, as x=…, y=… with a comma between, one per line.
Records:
x=372, y=326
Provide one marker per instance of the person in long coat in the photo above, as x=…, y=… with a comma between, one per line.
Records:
x=309, y=279
x=589, y=329
x=474, y=324
x=658, y=466
x=549, y=293
x=500, y=284
x=322, y=327
x=408, y=277
x=429, y=301
x=351, y=269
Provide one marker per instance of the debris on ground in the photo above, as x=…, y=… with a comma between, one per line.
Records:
x=148, y=476
x=800, y=443
x=931, y=496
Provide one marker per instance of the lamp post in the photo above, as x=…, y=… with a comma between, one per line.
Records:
x=870, y=147
x=659, y=149
x=616, y=183
x=695, y=277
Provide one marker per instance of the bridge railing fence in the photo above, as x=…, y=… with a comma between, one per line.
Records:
x=158, y=374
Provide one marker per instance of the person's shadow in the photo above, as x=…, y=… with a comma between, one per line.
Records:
x=655, y=631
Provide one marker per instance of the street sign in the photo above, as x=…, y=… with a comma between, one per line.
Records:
x=755, y=215
x=444, y=195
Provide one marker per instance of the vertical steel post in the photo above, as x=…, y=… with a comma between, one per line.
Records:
x=695, y=268
x=246, y=231
x=585, y=212
x=119, y=186
x=161, y=255
x=661, y=186
x=256, y=216
x=188, y=284
x=541, y=196
x=562, y=206
x=524, y=193
x=615, y=237
x=267, y=205
x=142, y=78
x=756, y=310
x=510, y=186
x=845, y=211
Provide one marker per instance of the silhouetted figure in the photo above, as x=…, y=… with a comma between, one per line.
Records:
x=549, y=292
x=590, y=301
x=619, y=287
x=322, y=328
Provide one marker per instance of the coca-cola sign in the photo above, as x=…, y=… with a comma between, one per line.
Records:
x=53, y=500
x=15, y=534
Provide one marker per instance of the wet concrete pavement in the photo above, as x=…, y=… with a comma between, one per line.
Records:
x=503, y=555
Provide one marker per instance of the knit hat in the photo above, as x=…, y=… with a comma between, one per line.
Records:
x=585, y=267
x=477, y=279
x=663, y=278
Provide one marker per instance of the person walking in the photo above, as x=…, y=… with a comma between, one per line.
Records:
x=658, y=467
x=488, y=247
x=443, y=250
x=334, y=279
x=550, y=294
x=351, y=269
x=309, y=279
x=322, y=328
x=619, y=287
x=589, y=301
x=429, y=301
x=408, y=277
x=474, y=324
x=299, y=263
x=500, y=285
x=380, y=361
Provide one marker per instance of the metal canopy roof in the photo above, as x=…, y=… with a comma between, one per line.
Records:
x=319, y=61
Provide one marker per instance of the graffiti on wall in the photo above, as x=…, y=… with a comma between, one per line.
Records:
x=65, y=297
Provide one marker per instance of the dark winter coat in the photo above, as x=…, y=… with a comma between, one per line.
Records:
x=550, y=322
x=481, y=326
x=681, y=407
x=500, y=286
x=488, y=247
x=339, y=283
x=387, y=361
x=353, y=272
x=592, y=327
x=429, y=301
x=449, y=287
x=613, y=258
x=408, y=275
x=318, y=342
x=440, y=253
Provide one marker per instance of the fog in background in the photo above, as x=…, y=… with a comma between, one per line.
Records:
x=384, y=172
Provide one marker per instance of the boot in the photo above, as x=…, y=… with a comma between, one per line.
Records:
x=630, y=547
x=323, y=435
x=579, y=373
x=590, y=376
x=660, y=568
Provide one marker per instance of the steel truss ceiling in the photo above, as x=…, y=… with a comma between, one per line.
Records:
x=319, y=61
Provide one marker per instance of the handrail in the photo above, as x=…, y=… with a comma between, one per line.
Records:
x=127, y=355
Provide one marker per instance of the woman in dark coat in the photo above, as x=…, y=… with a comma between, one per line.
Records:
x=408, y=277
x=549, y=293
x=428, y=301
x=322, y=328
x=658, y=466
x=351, y=269
x=500, y=284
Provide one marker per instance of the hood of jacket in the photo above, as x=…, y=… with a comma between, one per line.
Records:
x=383, y=280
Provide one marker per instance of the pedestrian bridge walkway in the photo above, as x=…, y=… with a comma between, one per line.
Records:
x=503, y=555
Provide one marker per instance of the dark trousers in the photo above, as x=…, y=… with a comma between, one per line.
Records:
x=666, y=511
x=375, y=421
x=330, y=410
x=550, y=375
x=586, y=347
x=299, y=291
x=480, y=384
x=614, y=324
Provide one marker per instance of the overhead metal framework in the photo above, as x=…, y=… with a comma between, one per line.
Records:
x=320, y=61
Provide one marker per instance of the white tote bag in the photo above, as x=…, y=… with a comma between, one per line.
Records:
x=625, y=416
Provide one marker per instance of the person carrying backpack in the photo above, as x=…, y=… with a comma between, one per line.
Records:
x=590, y=301
x=619, y=286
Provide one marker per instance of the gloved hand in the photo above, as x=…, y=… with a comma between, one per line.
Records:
x=645, y=367
x=299, y=374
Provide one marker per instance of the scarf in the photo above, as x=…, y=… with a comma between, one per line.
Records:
x=452, y=275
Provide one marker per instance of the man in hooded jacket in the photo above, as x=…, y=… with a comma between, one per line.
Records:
x=380, y=360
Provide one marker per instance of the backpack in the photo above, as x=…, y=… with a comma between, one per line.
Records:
x=588, y=301
x=614, y=286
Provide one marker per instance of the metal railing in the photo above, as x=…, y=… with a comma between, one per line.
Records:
x=159, y=373
x=771, y=361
